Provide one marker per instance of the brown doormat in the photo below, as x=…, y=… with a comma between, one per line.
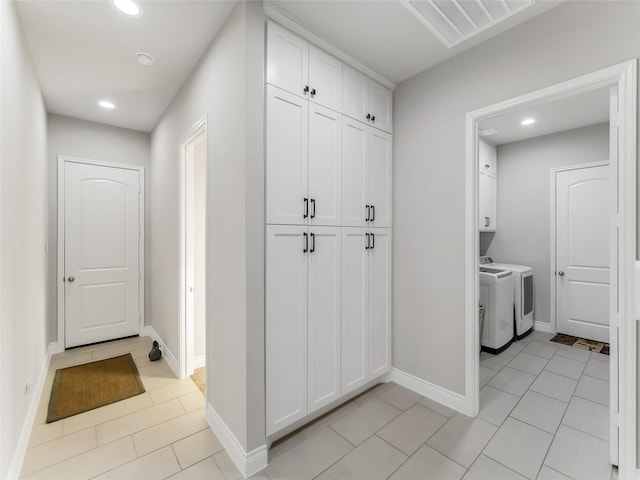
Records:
x=583, y=343
x=199, y=377
x=82, y=388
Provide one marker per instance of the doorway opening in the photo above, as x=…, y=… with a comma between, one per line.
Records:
x=620, y=82
x=193, y=246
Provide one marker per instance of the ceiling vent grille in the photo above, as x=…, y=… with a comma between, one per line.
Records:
x=454, y=21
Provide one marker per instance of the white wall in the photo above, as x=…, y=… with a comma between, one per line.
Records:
x=524, y=199
x=23, y=234
x=570, y=40
x=93, y=141
x=227, y=88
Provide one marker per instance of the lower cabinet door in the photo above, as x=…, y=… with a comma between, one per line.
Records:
x=286, y=325
x=323, y=320
x=355, y=345
x=379, y=302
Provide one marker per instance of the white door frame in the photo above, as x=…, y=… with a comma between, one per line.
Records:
x=552, y=238
x=623, y=76
x=62, y=160
x=186, y=321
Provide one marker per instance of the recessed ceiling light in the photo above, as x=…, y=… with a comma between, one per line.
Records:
x=128, y=6
x=488, y=131
x=528, y=121
x=106, y=104
x=145, y=58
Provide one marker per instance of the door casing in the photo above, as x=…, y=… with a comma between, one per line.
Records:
x=186, y=321
x=622, y=76
x=62, y=159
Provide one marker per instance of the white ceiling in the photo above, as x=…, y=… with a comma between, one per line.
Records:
x=384, y=35
x=84, y=51
x=555, y=116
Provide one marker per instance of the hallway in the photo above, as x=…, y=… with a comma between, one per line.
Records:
x=158, y=434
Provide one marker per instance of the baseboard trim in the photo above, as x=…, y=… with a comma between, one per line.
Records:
x=248, y=463
x=27, y=426
x=200, y=361
x=432, y=391
x=149, y=331
x=543, y=327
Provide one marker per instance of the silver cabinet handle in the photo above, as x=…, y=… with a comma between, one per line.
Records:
x=561, y=273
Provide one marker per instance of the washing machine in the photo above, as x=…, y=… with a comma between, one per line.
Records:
x=496, y=296
x=523, y=295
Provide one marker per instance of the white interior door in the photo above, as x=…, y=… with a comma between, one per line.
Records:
x=195, y=245
x=582, y=252
x=101, y=252
x=323, y=321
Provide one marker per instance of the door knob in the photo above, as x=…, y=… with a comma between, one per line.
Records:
x=70, y=279
x=561, y=273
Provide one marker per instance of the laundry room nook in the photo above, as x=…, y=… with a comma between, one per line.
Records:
x=543, y=177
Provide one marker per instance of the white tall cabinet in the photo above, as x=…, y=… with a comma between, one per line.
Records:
x=328, y=236
x=487, y=187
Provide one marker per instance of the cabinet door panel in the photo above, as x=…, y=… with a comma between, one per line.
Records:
x=381, y=106
x=324, y=307
x=355, y=332
x=490, y=201
x=287, y=145
x=325, y=154
x=354, y=180
x=487, y=158
x=286, y=326
x=325, y=77
x=287, y=60
x=355, y=93
x=380, y=302
x=379, y=174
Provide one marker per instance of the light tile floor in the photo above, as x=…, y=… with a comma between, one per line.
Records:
x=543, y=415
x=159, y=434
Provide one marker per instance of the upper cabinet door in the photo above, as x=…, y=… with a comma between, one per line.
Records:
x=380, y=106
x=355, y=93
x=487, y=158
x=287, y=60
x=354, y=168
x=379, y=174
x=325, y=79
x=287, y=143
x=325, y=166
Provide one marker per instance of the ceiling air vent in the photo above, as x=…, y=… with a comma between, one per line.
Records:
x=454, y=21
